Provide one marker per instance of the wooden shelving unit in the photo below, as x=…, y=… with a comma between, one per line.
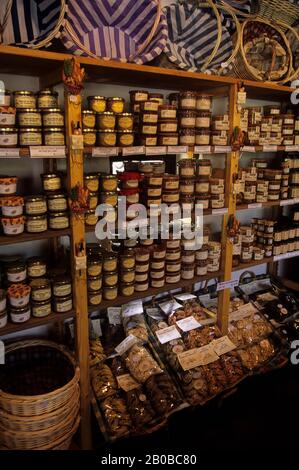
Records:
x=35, y=322
x=31, y=237
x=47, y=67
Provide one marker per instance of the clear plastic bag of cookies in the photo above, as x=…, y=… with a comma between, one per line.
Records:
x=139, y=407
x=116, y=416
x=141, y=364
x=96, y=352
x=215, y=377
x=233, y=367
x=190, y=308
x=195, y=386
x=103, y=381
x=162, y=393
x=136, y=325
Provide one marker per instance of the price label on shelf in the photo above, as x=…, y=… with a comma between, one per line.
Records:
x=269, y=148
x=172, y=149
x=132, y=308
x=114, y=315
x=287, y=202
x=169, y=306
x=47, y=152
x=167, y=334
x=222, y=149
x=248, y=148
x=140, y=150
x=222, y=211
x=223, y=345
x=155, y=150
x=292, y=254
x=184, y=297
x=11, y=153
x=104, y=152
x=202, y=149
x=227, y=284
x=292, y=148
x=255, y=205
x=188, y=324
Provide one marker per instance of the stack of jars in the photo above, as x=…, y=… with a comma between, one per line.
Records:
x=13, y=221
x=110, y=276
x=263, y=238
x=152, y=192
x=144, y=106
x=127, y=272
x=214, y=256
x=173, y=261
x=167, y=125
x=102, y=190
x=187, y=170
x=157, y=265
x=220, y=129
x=274, y=177
x=286, y=237
x=94, y=274
x=247, y=242
x=129, y=189
x=142, y=254
x=53, y=200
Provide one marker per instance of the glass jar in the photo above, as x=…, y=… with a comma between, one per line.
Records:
x=8, y=137
x=204, y=200
x=141, y=286
x=167, y=112
x=57, y=202
x=24, y=99
x=51, y=182
x=62, y=286
x=202, y=185
x=30, y=117
x=88, y=119
x=142, y=255
x=172, y=278
x=41, y=309
x=187, y=271
x=217, y=201
x=7, y=117
x=156, y=97
x=97, y=103
x=171, y=182
x=187, y=137
x=127, y=259
x=36, y=223
x=174, y=99
x=16, y=272
x=54, y=136
x=12, y=206
x=186, y=167
x=91, y=182
x=149, y=117
x=125, y=138
x=168, y=139
x=138, y=95
x=93, y=201
x=115, y=104
x=187, y=186
x=110, y=262
x=109, y=197
x=142, y=267
x=219, y=138
x=53, y=117
x=110, y=293
x=145, y=106
x=127, y=275
x=109, y=183
x=94, y=265
x=204, y=168
x=141, y=277
x=170, y=197
x=188, y=256
x=59, y=220
x=148, y=128
x=94, y=283
x=127, y=289
x=91, y=218
x=40, y=289
x=94, y=298
x=36, y=205
x=187, y=119
x=36, y=267
x=202, y=268
x=188, y=100
x=204, y=102
x=168, y=126
x=20, y=314
x=125, y=121
x=62, y=304
x=47, y=99
x=202, y=136
x=13, y=225
x=203, y=120
x=173, y=254
x=107, y=138
x=106, y=120
x=30, y=136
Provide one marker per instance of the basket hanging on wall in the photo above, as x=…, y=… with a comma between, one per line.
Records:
x=30, y=23
x=122, y=30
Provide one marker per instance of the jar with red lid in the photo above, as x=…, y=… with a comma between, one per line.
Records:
x=187, y=167
x=187, y=186
x=202, y=136
x=187, y=137
x=187, y=100
x=167, y=111
x=131, y=195
x=203, y=120
x=204, y=168
x=168, y=126
x=187, y=119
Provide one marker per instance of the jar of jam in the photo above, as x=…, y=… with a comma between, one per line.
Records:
x=138, y=95
x=5, y=97
x=168, y=139
x=217, y=201
x=107, y=138
x=141, y=277
x=149, y=140
x=7, y=117
x=202, y=267
x=203, y=199
x=97, y=103
x=127, y=259
x=94, y=283
x=89, y=137
x=157, y=273
x=150, y=117
x=127, y=288
x=127, y=275
x=88, y=119
x=41, y=309
x=125, y=138
x=62, y=286
x=142, y=267
x=109, y=183
x=30, y=136
x=51, y=182
x=170, y=182
x=47, y=99
x=63, y=304
x=54, y=136
x=203, y=120
x=156, y=97
x=187, y=137
x=202, y=254
x=94, y=265
x=109, y=197
x=91, y=182
x=94, y=298
x=173, y=254
x=24, y=99
x=141, y=286
x=187, y=100
x=157, y=264
x=188, y=256
x=90, y=218
x=158, y=252
x=157, y=283
x=110, y=292
x=59, y=220
x=115, y=104
x=172, y=278
x=187, y=119
x=35, y=205
x=142, y=255
x=202, y=185
x=53, y=117
x=20, y=314
x=30, y=117
x=186, y=167
x=202, y=136
x=219, y=137
x=125, y=121
x=167, y=126
x=109, y=262
x=106, y=120
x=187, y=186
x=57, y=202
x=204, y=102
x=187, y=202
x=36, y=267
x=12, y=206
x=8, y=137
x=36, y=223
x=167, y=111
x=204, y=168
x=16, y=272
x=170, y=197
x=40, y=289
x=187, y=271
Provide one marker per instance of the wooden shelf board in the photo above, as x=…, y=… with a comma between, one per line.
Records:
x=152, y=291
x=29, y=237
x=241, y=207
x=251, y=264
x=34, y=322
x=46, y=64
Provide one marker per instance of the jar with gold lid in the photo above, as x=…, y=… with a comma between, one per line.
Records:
x=109, y=197
x=94, y=283
x=89, y=137
x=115, y=104
x=30, y=136
x=125, y=121
x=125, y=138
x=94, y=265
x=62, y=286
x=108, y=183
x=106, y=120
x=47, y=99
x=110, y=292
x=110, y=278
x=24, y=99
x=88, y=119
x=57, y=202
x=54, y=136
x=62, y=304
x=36, y=223
x=36, y=267
x=51, y=182
x=91, y=182
x=94, y=297
x=91, y=218
x=127, y=288
x=127, y=259
x=35, y=205
x=107, y=138
x=127, y=275
x=59, y=220
x=97, y=103
x=30, y=117
x=41, y=309
x=40, y=289
x=110, y=261
x=8, y=137
x=53, y=117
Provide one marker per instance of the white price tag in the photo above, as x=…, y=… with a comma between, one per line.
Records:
x=114, y=315
x=197, y=357
x=269, y=148
x=140, y=150
x=183, y=297
x=292, y=148
x=169, y=306
x=47, y=152
x=222, y=149
x=154, y=313
x=227, y=284
x=155, y=150
x=255, y=205
x=96, y=325
x=222, y=211
x=126, y=344
x=223, y=345
x=104, y=151
x=242, y=312
x=167, y=334
x=132, y=308
x=11, y=153
x=248, y=148
x=287, y=202
x=127, y=382
x=188, y=324
x=202, y=149
x=171, y=149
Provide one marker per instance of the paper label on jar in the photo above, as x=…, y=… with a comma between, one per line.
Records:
x=65, y=306
x=7, y=119
x=222, y=345
x=24, y=102
x=63, y=290
x=168, y=334
x=36, y=207
x=132, y=308
x=197, y=357
x=42, y=311
x=126, y=344
x=126, y=382
x=114, y=315
x=169, y=306
x=188, y=324
x=9, y=140
x=53, y=120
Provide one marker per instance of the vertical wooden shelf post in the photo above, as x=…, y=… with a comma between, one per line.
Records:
x=232, y=162
x=75, y=176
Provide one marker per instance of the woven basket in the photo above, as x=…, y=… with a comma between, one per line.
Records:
x=252, y=32
x=281, y=10
x=38, y=377
x=122, y=30
x=30, y=23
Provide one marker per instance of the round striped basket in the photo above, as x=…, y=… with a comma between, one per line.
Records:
x=122, y=30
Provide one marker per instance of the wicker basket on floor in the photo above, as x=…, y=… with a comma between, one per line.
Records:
x=278, y=10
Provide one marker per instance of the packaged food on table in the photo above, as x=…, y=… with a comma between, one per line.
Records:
x=116, y=416
x=96, y=353
x=139, y=407
x=141, y=364
x=162, y=393
x=103, y=381
x=135, y=325
x=232, y=366
x=254, y=356
x=249, y=329
x=215, y=377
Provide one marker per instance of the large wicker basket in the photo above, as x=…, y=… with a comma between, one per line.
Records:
x=278, y=10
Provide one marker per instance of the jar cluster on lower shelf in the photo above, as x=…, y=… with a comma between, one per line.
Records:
x=33, y=214
x=29, y=291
